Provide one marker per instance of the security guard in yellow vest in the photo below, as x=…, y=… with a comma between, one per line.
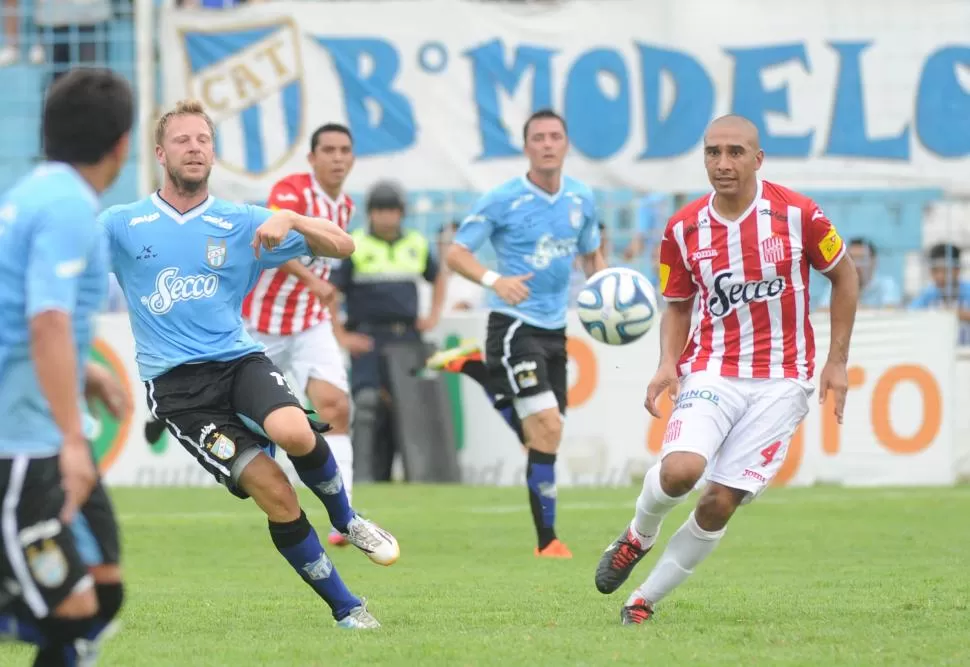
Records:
x=380, y=290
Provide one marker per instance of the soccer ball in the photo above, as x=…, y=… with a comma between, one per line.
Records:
x=617, y=306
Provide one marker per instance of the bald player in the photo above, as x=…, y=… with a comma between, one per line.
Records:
x=742, y=379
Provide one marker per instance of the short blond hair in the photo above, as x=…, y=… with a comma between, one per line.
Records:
x=182, y=108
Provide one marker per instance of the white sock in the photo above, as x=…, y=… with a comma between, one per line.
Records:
x=652, y=506
x=690, y=545
x=343, y=452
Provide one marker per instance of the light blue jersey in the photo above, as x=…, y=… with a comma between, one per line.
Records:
x=185, y=275
x=52, y=257
x=535, y=232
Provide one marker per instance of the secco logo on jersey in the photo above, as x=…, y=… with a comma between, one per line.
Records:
x=170, y=288
x=727, y=296
x=548, y=249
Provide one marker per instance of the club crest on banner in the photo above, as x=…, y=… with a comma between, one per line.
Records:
x=250, y=79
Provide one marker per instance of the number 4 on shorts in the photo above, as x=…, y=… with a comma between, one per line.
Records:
x=769, y=453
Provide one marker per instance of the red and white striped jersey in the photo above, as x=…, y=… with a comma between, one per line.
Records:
x=752, y=278
x=280, y=303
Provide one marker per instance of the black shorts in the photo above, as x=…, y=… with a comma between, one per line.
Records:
x=216, y=410
x=41, y=561
x=524, y=360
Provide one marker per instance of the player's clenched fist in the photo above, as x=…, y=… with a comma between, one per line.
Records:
x=512, y=289
x=665, y=378
x=271, y=233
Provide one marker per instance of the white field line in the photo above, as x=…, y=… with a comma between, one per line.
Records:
x=814, y=498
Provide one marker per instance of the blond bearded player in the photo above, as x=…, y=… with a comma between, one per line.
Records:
x=741, y=379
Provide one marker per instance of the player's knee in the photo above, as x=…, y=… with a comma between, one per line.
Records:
x=716, y=506
x=279, y=501
x=80, y=604
x=680, y=471
x=288, y=427
x=341, y=412
x=543, y=430
x=266, y=483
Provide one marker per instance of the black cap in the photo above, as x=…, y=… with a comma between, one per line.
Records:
x=385, y=195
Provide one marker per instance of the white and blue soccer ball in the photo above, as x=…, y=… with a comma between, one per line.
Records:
x=617, y=306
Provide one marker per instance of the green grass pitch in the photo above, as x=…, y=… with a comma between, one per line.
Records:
x=817, y=576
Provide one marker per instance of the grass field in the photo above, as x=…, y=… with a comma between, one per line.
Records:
x=803, y=577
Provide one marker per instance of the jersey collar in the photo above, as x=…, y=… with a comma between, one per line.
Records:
x=181, y=218
x=539, y=192
x=320, y=192
x=743, y=216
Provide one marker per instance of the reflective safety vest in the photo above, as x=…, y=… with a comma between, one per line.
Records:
x=376, y=260
x=383, y=282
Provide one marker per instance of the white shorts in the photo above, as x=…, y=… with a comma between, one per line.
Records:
x=741, y=426
x=312, y=353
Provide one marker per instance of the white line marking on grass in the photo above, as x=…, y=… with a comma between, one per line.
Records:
x=800, y=497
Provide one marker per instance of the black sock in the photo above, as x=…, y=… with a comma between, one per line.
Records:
x=318, y=470
x=300, y=546
x=540, y=477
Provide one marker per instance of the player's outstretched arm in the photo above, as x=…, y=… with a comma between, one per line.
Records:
x=323, y=237
x=845, y=302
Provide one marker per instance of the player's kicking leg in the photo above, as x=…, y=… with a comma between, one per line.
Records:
x=261, y=394
x=221, y=413
x=748, y=426
x=297, y=541
x=332, y=404
x=317, y=366
x=466, y=358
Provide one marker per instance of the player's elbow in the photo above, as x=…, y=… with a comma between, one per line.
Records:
x=343, y=246
x=48, y=324
x=455, y=255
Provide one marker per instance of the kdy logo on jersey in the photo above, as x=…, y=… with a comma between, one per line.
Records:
x=215, y=252
x=249, y=77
